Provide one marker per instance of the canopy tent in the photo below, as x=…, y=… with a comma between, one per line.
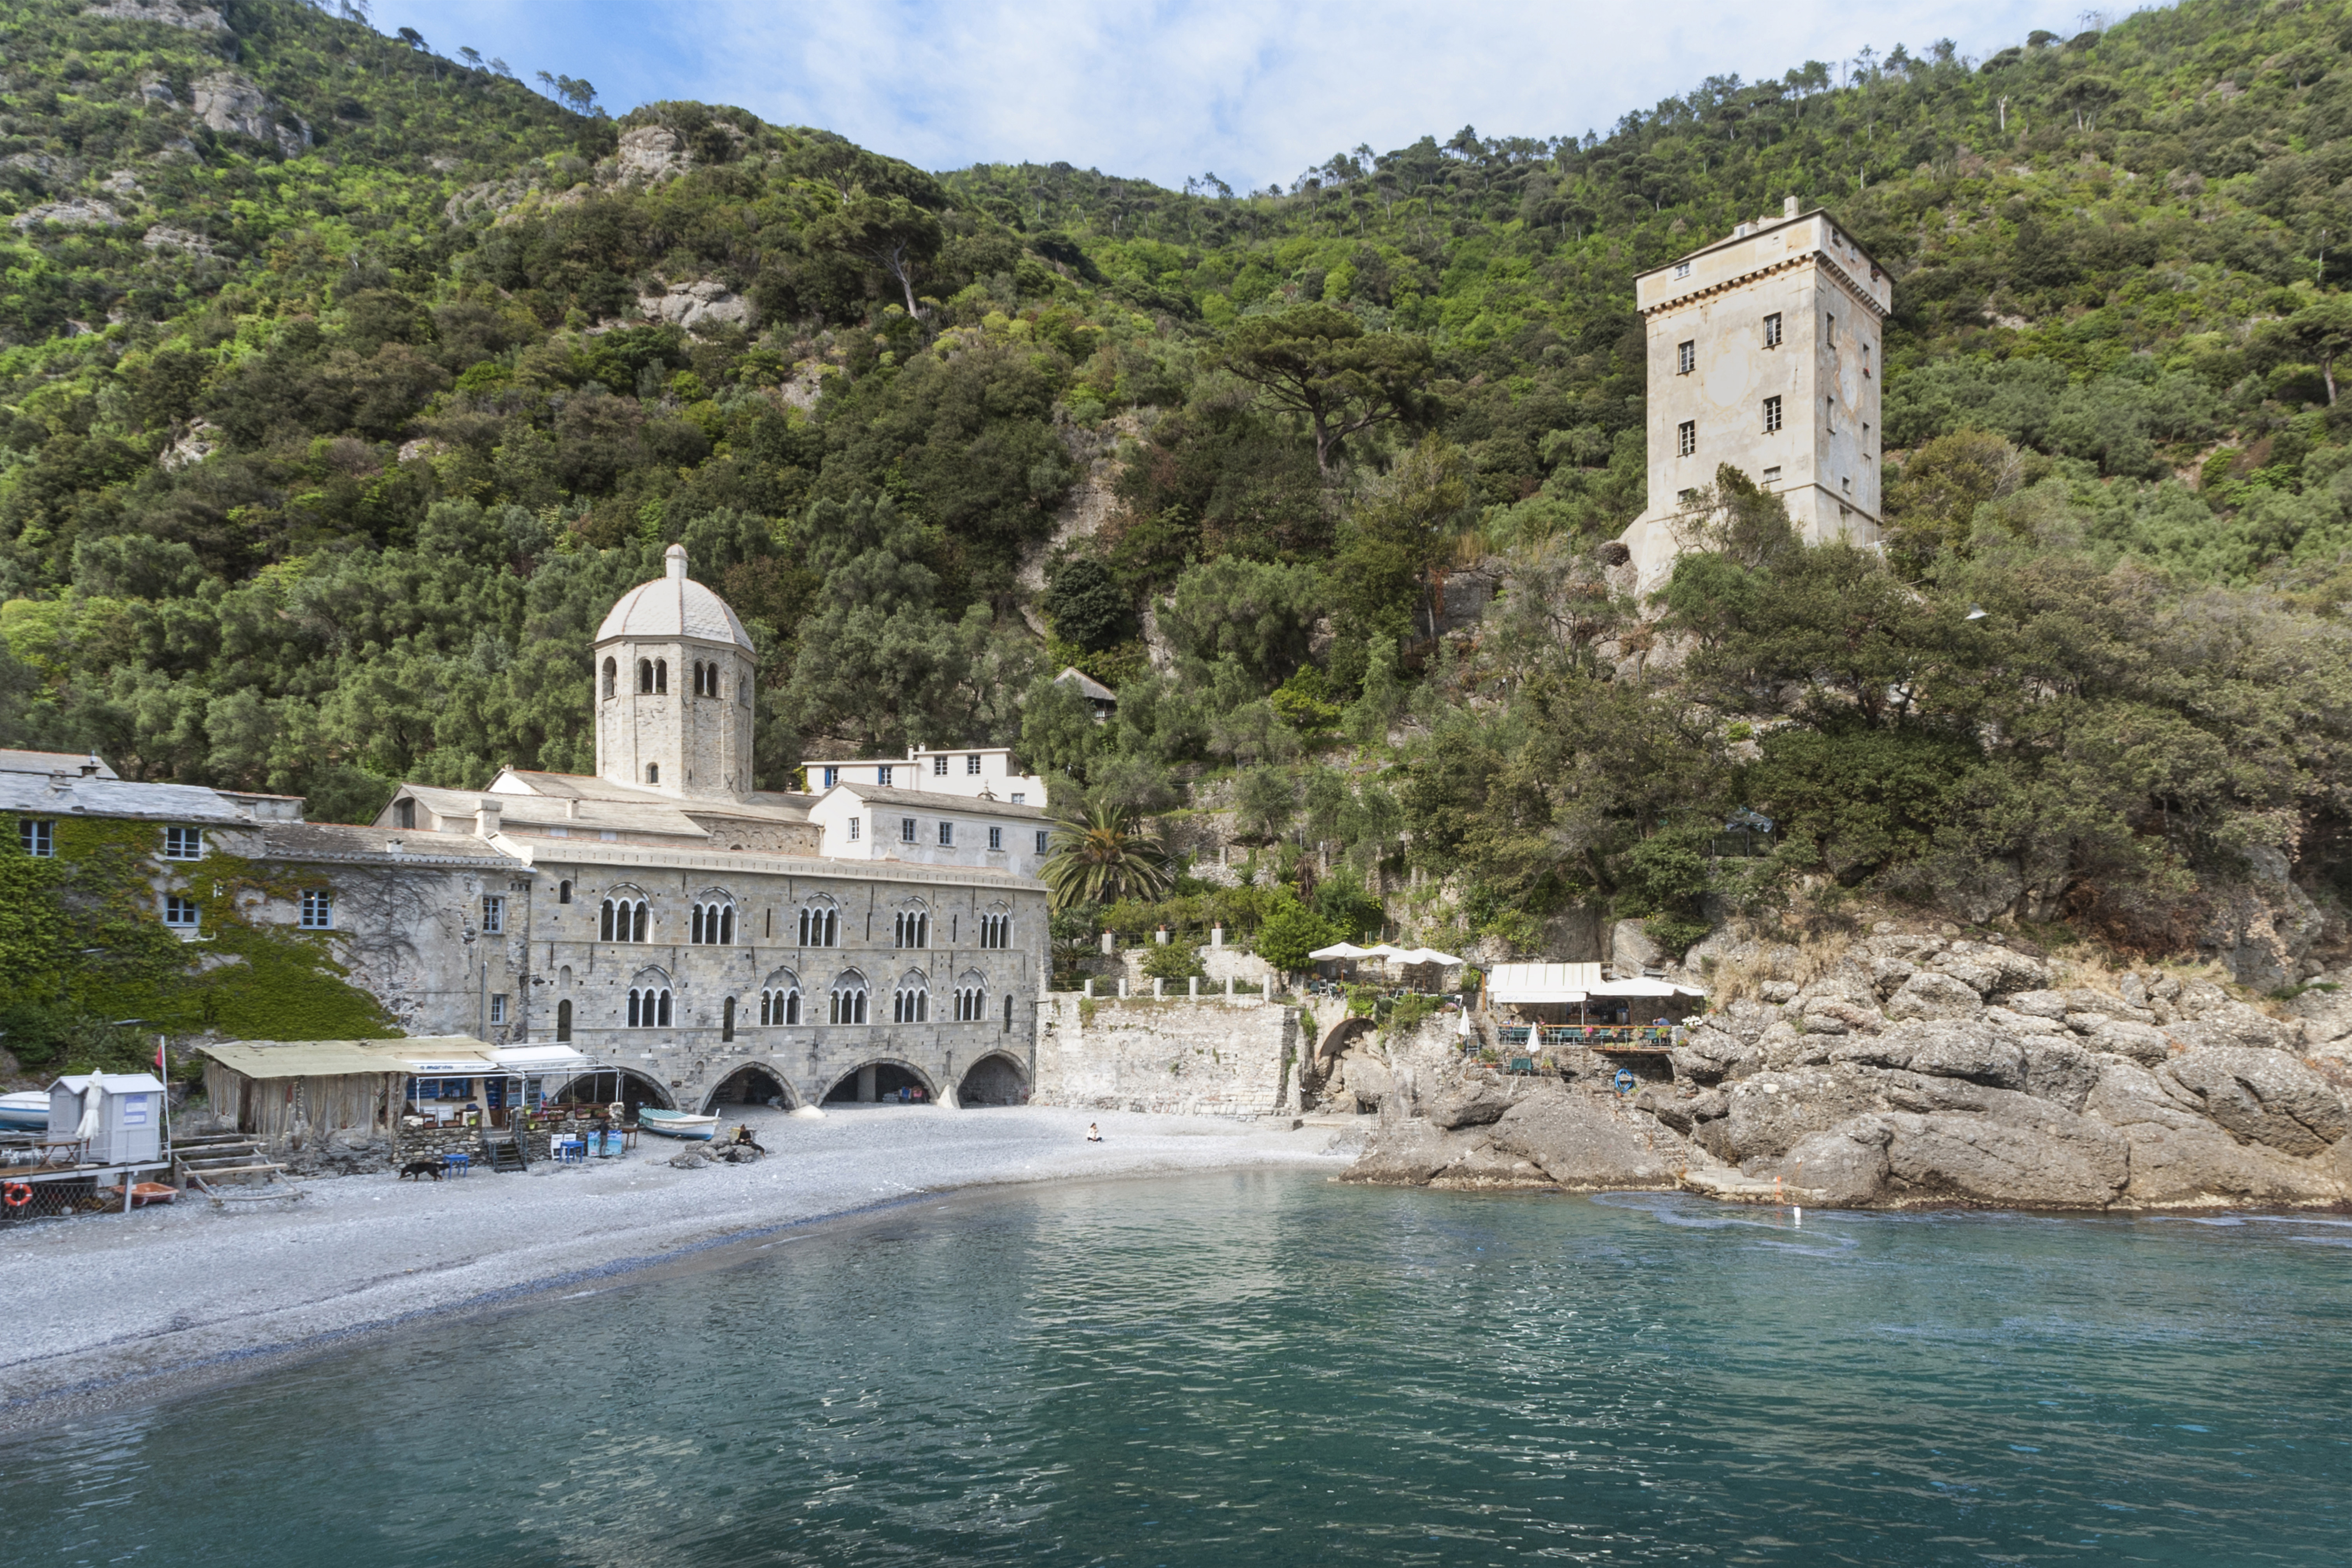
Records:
x=1340, y=950
x=1644, y=986
x=1535, y=983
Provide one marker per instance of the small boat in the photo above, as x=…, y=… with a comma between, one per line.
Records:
x=141, y=1195
x=675, y=1123
x=25, y=1112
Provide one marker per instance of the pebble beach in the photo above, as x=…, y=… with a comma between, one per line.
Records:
x=124, y=1307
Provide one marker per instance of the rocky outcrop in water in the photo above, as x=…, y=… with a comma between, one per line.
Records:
x=1918, y=1070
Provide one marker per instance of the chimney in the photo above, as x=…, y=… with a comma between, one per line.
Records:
x=486, y=818
x=89, y=769
x=572, y=807
x=674, y=563
x=1787, y=206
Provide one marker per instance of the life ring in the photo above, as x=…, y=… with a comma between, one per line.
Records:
x=16, y=1195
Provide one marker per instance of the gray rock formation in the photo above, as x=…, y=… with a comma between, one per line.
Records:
x=227, y=101
x=1920, y=1070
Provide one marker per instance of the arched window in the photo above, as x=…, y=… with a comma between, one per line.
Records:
x=1008, y=1014
x=563, y=892
x=996, y=930
x=563, y=1021
x=912, y=929
x=911, y=1001
x=612, y=675
x=605, y=921
x=645, y=676
x=821, y=926
x=714, y=924
x=649, y=1007
x=661, y=677
x=622, y=919
x=848, y=1001
x=727, y=1020
x=653, y=773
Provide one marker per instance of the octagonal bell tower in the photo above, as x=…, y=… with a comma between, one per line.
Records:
x=674, y=671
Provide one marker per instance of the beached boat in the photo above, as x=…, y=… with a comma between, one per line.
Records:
x=25, y=1112
x=675, y=1123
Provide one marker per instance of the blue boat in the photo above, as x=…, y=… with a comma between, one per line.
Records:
x=27, y=1111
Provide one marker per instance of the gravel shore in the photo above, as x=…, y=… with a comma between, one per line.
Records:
x=130, y=1307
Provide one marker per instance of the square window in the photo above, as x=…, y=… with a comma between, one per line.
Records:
x=996, y=838
x=938, y=767
x=1682, y=268
x=1020, y=799
x=882, y=777
x=1041, y=841
x=971, y=763
x=1687, y=496
x=1687, y=437
x=494, y=914
x=39, y=839
x=946, y=833
x=1771, y=476
x=1685, y=358
x=183, y=844
x=318, y=909
x=1772, y=414
x=499, y=1008
x=906, y=830
x=853, y=830
x=179, y=911
x=1772, y=331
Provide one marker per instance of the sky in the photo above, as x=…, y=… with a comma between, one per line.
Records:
x=1166, y=89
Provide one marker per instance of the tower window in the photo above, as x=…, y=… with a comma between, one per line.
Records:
x=1829, y=414
x=611, y=674
x=1772, y=414
x=563, y=892
x=653, y=773
x=1828, y=331
x=645, y=677
x=562, y=1022
x=1687, y=496
x=1866, y=359
x=1685, y=358
x=727, y=1019
x=661, y=677
x=1687, y=437
x=1772, y=331
x=1771, y=476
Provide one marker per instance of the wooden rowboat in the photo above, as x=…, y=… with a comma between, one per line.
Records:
x=676, y=1123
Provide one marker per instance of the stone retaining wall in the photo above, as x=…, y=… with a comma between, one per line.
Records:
x=1214, y=1057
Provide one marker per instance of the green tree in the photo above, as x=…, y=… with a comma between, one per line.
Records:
x=1289, y=933
x=1102, y=854
x=1317, y=362
x=2324, y=331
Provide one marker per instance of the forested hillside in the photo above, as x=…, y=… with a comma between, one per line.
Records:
x=345, y=384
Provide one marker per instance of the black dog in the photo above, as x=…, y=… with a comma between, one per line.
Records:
x=420, y=1168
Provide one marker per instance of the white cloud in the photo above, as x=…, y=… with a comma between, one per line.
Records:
x=1255, y=93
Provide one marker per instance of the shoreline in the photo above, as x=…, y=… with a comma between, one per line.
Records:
x=146, y=1307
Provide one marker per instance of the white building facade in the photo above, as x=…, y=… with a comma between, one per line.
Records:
x=971, y=772
x=1764, y=352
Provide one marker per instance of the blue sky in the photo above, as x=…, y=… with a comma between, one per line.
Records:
x=1167, y=88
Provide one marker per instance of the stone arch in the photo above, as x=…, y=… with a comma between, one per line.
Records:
x=889, y=1072
x=597, y=1086
x=997, y=1078
x=1315, y=1071
x=752, y=1083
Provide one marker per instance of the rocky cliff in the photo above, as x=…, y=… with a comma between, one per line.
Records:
x=1908, y=1069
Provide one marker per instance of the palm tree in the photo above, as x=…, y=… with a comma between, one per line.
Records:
x=1104, y=853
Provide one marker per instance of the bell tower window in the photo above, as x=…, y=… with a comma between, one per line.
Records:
x=645, y=677
x=653, y=773
x=611, y=674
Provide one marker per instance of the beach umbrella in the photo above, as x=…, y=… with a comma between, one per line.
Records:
x=1429, y=956
x=1338, y=950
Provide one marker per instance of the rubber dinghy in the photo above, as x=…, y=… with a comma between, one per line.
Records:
x=675, y=1123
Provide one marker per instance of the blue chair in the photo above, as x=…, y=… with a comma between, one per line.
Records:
x=457, y=1165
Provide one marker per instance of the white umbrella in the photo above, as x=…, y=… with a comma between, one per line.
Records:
x=1385, y=949
x=1340, y=950
x=1643, y=988
x=93, y=1099
x=1428, y=956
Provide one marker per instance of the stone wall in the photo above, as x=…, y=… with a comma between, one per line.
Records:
x=1211, y=1056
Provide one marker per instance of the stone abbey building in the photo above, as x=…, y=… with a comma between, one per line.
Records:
x=714, y=940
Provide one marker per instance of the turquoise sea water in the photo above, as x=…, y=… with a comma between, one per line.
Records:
x=1271, y=1369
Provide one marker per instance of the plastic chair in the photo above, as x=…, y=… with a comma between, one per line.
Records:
x=456, y=1164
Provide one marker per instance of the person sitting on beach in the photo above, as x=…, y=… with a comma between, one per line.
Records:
x=1094, y=1133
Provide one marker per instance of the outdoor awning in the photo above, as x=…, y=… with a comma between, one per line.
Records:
x=451, y=1056
x=1427, y=956
x=1540, y=983
x=1340, y=950
x=1644, y=986
x=542, y=1060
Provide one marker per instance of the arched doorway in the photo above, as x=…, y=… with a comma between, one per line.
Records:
x=602, y=1086
x=757, y=1084
x=1315, y=1073
x=994, y=1080
x=875, y=1082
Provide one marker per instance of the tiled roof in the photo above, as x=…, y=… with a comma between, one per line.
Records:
x=674, y=605
x=938, y=803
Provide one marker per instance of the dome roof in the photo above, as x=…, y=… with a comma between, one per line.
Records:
x=674, y=605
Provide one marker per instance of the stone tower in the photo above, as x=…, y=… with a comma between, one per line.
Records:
x=1764, y=354
x=673, y=672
